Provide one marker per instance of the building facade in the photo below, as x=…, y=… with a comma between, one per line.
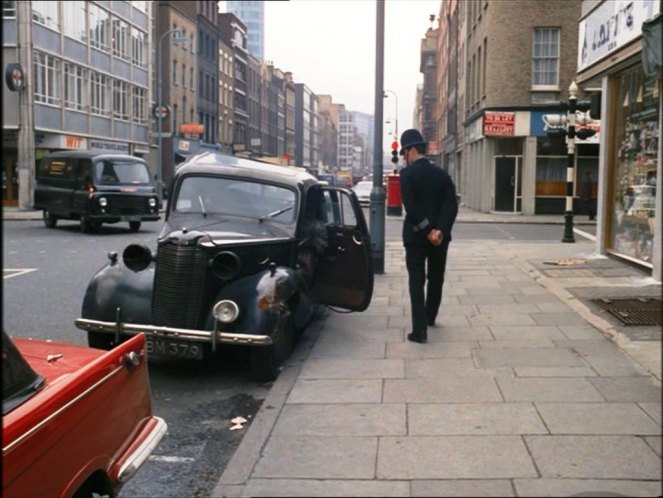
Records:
x=252, y=14
x=82, y=81
x=226, y=96
x=428, y=67
x=306, y=128
x=627, y=71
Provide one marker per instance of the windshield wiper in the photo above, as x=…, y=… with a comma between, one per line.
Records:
x=275, y=213
x=202, y=206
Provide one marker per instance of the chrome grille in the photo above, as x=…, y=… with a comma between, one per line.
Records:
x=130, y=204
x=178, y=285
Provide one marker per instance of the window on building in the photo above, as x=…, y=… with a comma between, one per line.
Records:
x=120, y=39
x=8, y=9
x=175, y=72
x=73, y=18
x=183, y=75
x=98, y=26
x=47, y=74
x=75, y=87
x=191, y=82
x=138, y=47
x=192, y=43
x=99, y=94
x=121, y=100
x=46, y=14
x=545, y=58
x=139, y=105
x=140, y=5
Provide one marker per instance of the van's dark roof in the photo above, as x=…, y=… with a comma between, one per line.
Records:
x=88, y=154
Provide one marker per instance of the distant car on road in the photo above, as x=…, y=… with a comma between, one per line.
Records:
x=76, y=421
x=247, y=251
x=363, y=191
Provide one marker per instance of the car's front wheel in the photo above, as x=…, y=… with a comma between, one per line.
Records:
x=267, y=360
x=134, y=226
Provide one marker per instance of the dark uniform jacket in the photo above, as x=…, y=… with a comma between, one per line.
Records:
x=429, y=198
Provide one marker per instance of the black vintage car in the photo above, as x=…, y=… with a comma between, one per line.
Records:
x=247, y=251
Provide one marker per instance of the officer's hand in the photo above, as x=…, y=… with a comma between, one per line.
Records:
x=435, y=237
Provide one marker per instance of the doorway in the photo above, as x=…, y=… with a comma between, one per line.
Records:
x=508, y=188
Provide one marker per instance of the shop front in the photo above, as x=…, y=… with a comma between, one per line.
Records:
x=629, y=202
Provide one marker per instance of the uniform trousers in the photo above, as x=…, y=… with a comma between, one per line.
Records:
x=425, y=265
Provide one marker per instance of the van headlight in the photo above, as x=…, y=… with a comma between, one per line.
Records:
x=103, y=202
x=153, y=202
x=226, y=311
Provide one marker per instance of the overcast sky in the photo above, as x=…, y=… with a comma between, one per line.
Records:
x=329, y=45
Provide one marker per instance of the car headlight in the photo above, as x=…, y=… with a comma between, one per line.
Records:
x=103, y=202
x=226, y=311
x=153, y=202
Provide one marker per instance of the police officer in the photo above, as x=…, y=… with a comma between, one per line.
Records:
x=429, y=199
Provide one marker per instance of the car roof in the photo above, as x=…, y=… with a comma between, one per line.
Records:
x=227, y=165
x=90, y=154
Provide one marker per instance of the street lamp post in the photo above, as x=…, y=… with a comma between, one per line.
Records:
x=396, y=109
x=160, y=113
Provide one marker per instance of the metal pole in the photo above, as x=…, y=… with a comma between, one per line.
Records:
x=26, y=132
x=570, y=150
x=377, y=192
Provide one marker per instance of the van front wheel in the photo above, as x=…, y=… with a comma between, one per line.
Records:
x=134, y=226
x=50, y=220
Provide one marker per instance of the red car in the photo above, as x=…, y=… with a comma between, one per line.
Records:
x=75, y=420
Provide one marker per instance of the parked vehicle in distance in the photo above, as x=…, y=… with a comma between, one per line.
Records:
x=75, y=420
x=247, y=251
x=95, y=189
x=363, y=191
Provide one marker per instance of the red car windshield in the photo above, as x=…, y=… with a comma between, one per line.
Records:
x=19, y=381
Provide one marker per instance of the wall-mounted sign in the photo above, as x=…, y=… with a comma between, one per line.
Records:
x=14, y=77
x=192, y=129
x=183, y=145
x=499, y=124
x=610, y=26
x=109, y=147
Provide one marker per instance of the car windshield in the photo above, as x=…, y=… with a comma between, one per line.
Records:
x=19, y=380
x=207, y=195
x=363, y=187
x=121, y=172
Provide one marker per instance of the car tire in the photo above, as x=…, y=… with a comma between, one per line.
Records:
x=134, y=226
x=100, y=340
x=266, y=361
x=50, y=220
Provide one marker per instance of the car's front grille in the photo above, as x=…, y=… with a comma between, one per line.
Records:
x=126, y=204
x=178, y=285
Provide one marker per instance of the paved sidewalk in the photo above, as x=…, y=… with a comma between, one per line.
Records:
x=522, y=390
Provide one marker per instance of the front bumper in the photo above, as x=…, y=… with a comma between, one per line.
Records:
x=116, y=218
x=193, y=335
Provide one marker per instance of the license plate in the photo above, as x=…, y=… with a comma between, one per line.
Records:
x=132, y=218
x=174, y=349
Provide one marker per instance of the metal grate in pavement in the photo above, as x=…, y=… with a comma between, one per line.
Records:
x=633, y=311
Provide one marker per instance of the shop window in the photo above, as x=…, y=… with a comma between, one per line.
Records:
x=551, y=165
x=635, y=158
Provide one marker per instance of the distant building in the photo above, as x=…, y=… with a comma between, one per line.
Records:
x=306, y=128
x=252, y=14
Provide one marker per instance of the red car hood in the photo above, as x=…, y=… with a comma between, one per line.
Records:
x=54, y=360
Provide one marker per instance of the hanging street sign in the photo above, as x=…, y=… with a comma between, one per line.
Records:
x=14, y=77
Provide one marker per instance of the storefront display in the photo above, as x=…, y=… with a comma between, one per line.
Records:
x=635, y=162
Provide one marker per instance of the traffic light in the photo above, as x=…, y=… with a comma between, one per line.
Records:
x=394, y=152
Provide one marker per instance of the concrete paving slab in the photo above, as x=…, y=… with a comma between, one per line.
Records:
x=449, y=389
x=352, y=368
x=444, y=332
x=348, y=349
x=581, y=332
x=594, y=457
x=556, y=389
x=573, y=487
x=597, y=418
x=568, y=318
x=473, y=419
x=442, y=349
x=455, y=367
x=325, y=487
x=459, y=309
x=654, y=443
x=653, y=409
x=536, y=298
x=489, y=291
x=453, y=457
x=638, y=389
x=527, y=357
x=486, y=299
x=554, y=372
x=336, y=391
x=318, y=458
x=387, y=419
x=463, y=487
x=500, y=319
x=510, y=333
x=517, y=344
x=552, y=307
x=522, y=308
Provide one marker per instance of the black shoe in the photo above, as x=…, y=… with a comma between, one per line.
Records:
x=431, y=322
x=418, y=336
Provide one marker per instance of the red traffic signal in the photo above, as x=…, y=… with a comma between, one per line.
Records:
x=394, y=145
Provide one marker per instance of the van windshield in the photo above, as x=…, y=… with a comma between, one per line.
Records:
x=120, y=172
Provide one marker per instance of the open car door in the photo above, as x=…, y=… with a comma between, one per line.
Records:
x=344, y=273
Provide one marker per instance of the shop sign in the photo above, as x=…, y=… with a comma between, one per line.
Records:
x=610, y=26
x=109, y=147
x=191, y=129
x=71, y=142
x=183, y=145
x=499, y=124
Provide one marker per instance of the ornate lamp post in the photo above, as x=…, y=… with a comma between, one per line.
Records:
x=396, y=109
